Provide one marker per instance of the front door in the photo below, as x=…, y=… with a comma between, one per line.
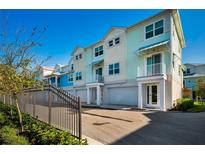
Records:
x=152, y=95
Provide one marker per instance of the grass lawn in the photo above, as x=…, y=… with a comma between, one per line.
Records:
x=198, y=107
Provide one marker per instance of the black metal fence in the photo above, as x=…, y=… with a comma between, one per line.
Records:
x=52, y=105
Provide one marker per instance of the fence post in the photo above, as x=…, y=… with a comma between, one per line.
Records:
x=49, y=105
x=4, y=99
x=34, y=104
x=80, y=118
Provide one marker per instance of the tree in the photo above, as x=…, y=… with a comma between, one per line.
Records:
x=200, y=90
x=18, y=63
x=14, y=84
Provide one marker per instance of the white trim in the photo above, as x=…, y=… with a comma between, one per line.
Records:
x=154, y=29
x=90, y=85
x=149, y=79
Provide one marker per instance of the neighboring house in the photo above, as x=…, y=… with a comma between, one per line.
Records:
x=43, y=71
x=192, y=74
x=139, y=65
x=60, y=77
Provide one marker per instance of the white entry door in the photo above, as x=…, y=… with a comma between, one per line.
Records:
x=152, y=93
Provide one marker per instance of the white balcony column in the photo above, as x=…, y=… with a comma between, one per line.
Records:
x=56, y=81
x=140, y=100
x=98, y=95
x=88, y=95
x=162, y=95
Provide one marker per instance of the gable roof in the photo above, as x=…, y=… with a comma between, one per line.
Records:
x=112, y=29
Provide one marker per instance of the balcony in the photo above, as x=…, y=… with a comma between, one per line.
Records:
x=98, y=79
x=151, y=70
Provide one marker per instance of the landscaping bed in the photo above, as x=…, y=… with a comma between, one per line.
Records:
x=189, y=105
x=35, y=132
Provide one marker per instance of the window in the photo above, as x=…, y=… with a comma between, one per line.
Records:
x=159, y=29
x=149, y=31
x=80, y=56
x=111, y=69
x=70, y=78
x=154, y=29
x=188, y=71
x=110, y=43
x=78, y=76
x=117, y=40
x=72, y=67
x=114, y=68
x=98, y=51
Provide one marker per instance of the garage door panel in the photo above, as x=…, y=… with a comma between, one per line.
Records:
x=82, y=94
x=123, y=96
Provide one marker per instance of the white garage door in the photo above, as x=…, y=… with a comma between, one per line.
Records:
x=82, y=94
x=123, y=96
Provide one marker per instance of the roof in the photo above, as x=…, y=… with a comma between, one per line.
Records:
x=194, y=64
x=194, y=76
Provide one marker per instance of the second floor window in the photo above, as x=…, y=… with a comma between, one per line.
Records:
x=99, y=51
x=70, y=78
x=114, y=68
x=78, y=76
x=72, y=67
x=110, y=43
x=154, y=29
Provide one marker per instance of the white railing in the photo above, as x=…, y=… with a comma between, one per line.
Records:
x=99, y=79
x=151, y=70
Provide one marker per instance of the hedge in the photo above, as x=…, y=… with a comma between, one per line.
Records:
x=184, y=104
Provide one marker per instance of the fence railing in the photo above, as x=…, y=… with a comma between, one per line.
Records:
x=51, y=105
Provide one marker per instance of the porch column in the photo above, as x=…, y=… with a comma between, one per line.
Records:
x=140, y=102
x=98, y=95
x=88, y=95
x=56, y=81
x=162, y=95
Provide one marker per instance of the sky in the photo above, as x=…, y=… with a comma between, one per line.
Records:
x=70, y=28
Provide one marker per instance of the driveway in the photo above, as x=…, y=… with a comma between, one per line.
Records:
x=143, y=127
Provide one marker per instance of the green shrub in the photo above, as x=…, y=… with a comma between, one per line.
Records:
x=3, y=119
x=43, y=134
x=8, y=135
x=184, y=104
x=39, y=132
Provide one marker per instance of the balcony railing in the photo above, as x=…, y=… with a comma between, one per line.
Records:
x=151, y=70
x=99, y=79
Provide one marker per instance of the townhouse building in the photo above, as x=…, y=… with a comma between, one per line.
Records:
x=140, y=65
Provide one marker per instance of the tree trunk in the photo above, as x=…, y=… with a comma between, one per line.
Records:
x=20, y=116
